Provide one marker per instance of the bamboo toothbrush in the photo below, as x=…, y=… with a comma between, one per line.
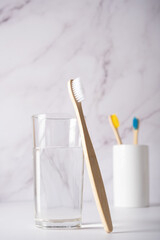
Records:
x=76, y=94
x=113, y=119
x=135, y=130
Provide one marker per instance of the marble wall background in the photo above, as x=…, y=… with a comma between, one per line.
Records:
x=114, y=46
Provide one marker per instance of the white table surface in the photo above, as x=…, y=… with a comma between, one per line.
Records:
x=17, y=222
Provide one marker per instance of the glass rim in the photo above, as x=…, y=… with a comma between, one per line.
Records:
x=54, y=116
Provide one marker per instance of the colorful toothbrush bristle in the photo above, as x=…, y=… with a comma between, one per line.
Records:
x=77, y=89
x=135, y=123
x=115, y=121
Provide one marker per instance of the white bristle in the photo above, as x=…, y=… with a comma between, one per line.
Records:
x=77, y=90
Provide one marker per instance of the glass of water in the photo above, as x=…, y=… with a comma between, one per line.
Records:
x=58, y=171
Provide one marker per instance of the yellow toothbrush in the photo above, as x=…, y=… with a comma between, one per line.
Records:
x=113, y=120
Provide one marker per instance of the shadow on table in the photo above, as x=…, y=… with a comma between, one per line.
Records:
x=150, y=226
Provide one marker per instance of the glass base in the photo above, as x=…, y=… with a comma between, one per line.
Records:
x=58, y=223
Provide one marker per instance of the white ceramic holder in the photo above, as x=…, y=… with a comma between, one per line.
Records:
x=130, y=176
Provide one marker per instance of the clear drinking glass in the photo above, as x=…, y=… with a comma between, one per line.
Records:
x=58, y=171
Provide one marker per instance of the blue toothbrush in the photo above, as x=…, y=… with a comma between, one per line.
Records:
x=135, y=130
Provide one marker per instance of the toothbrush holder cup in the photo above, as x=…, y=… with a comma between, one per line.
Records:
x=130, y=176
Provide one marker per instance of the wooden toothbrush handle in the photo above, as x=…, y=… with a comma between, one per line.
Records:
x=135, y=136
x=116, y=133
x=94, y=173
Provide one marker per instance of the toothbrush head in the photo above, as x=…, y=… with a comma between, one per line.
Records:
x=135, y=123
x=115, y=120
x=77, y=89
